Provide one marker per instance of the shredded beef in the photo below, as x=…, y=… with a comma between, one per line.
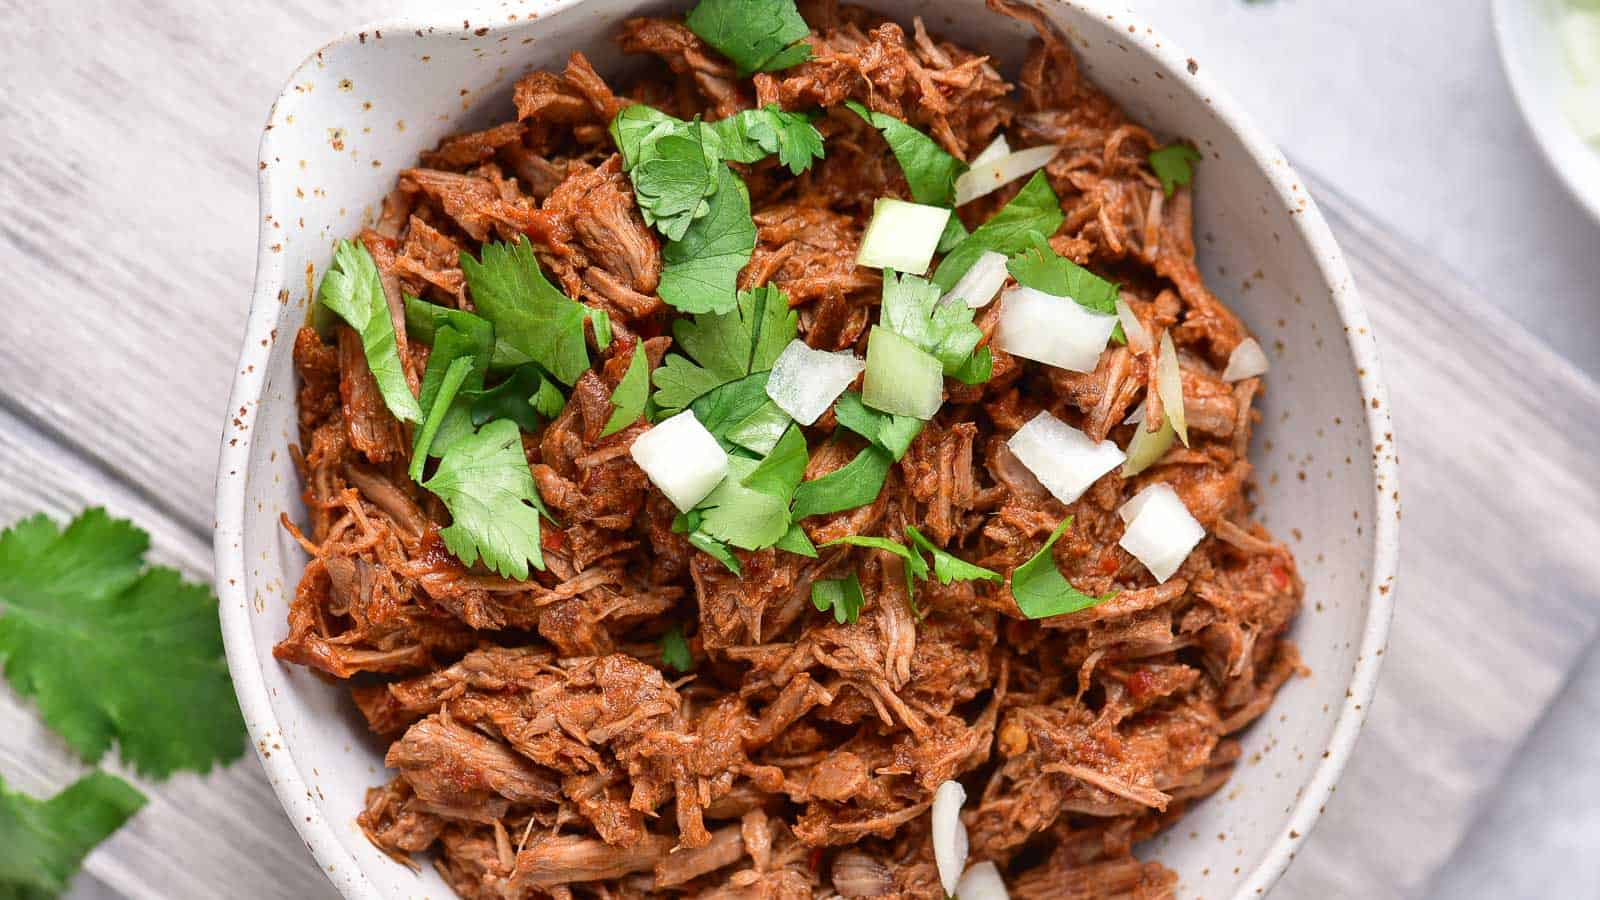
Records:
x=541, y=747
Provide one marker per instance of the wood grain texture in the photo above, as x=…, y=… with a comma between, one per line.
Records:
x=127, y=227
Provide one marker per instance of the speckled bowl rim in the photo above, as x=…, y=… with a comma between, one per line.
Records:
x=245, y=658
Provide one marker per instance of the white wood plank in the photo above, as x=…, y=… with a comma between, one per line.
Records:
x=223, y=834
x=1497, y=600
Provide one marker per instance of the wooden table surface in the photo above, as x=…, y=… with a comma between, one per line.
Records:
x=127, y=233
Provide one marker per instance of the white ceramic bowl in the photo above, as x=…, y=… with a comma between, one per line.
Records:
x=1531, y=53
x=361, y=109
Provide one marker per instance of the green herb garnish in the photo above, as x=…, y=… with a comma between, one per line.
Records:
x=1042, y=591
x=45, y=841
x=930, y=171
x=755, y=35
x=627, y=400
x=843, y=596
x=527, y=396
x=456, y=371
x=485, y=482
x=528, y=312
x=1172, y=164
x=700, y=273
x=112, y=650
x=947, y=567
x=724, y=347
x=752, y=135
x=854, y=484
x=353, y=290
x=750, y=508
x=740, y=414
x=675, y=650
x=888, y=432
x=1040, y=267
x=911, y=309
x=1035, y=209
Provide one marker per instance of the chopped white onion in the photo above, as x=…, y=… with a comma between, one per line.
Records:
x=1160, y=530
x=996, y=149
x=901, y=378
x=982, y=881
x=902, y=236
x=1169, y=383
x=1147, y=446
x=1138, y=336
x=680, y=457
x=991, y=175
x=805, y=382
x=1057, y=331
x=1246, y=361
x=1065, y=460
x=981, y=282
x=949, y=835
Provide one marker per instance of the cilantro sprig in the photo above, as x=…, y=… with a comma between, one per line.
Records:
x=842, y=596
x=675, y=651
x=1042, y=591
x=628, y=399
x=1040, y=267
x=911, y=308
x=930, y=170
x=529, y=314
x=46, y=841
x=724, y=347
x=1173, y=165
x=352, y=289
x=1034, y=210
x=485, y=482
x=113, y=651
x=755, y=35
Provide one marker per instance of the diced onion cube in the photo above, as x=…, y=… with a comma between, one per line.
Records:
x=902, y=236
x=981, y=282
x=949, y=834
x=996, y=149
x=680, y=457
x=1160, y=530
x=1065, y=460
x=1057, y=331
x=982, y=881
x=805, y=382
x=1246, y=361
x=1169, y=384
x=1138, y=336
x=901, y=378
x=990, y=175
x=1147, y=446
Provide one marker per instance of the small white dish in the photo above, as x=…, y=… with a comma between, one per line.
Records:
x=360, y=110
x=1536, y=67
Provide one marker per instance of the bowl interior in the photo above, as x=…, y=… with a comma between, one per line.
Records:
x=1536, y=66
x=360, y=111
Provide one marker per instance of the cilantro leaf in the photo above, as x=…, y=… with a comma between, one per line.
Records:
x=1035, y=208
x=449, y=417
x=948, y=567
x=527, y=396
x=916, y=566
x=424, y=319
x=1042, y=591
x=740, y=414
x=782, y=469
x=445, y=390
x=854, y=484
x=796, y=541
x=978, y=368
x=675, y=178
x=45, y=841
x=911, y=309
x=889, y=432
x=1039, y=266
x=754, y=134
x=724, y=347
x=635, y=127
x=485, y=482
x=1172, y=165
x=755, y=35
x=627, y=401
x=528, y=312
x=742, y=516
x=716, y=550
x=841, y=595
x=700, y=272
x=113, y=651
x=930, y=171
x=352, y=289
x=675, y=650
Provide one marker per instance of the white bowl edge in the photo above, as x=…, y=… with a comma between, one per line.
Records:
x=246, y=659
